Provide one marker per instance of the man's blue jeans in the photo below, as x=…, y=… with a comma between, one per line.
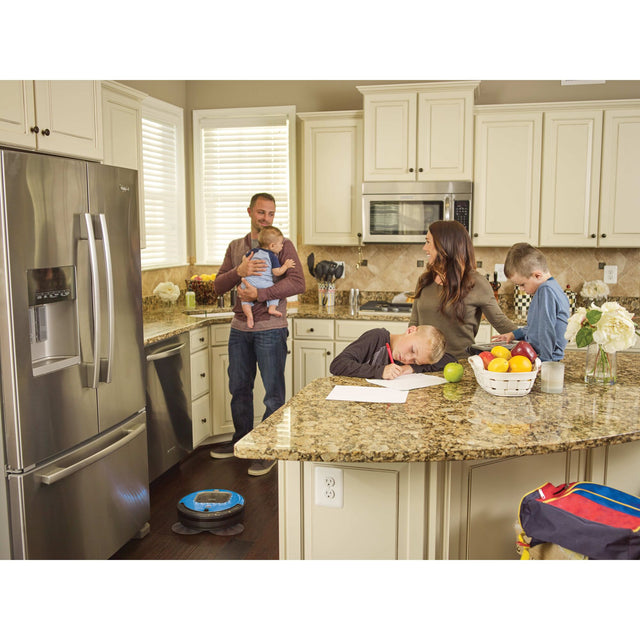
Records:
x=267, y=349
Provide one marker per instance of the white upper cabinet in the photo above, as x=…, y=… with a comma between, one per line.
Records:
x=332, y=177
x=620, y=187
x=572, y=145
x=53, y=116
x=508, y=149
x=122, y=133
x=418, y=131
x=17, y=113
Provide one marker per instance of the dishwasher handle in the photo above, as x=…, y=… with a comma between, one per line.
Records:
x=60, y=473
x=164, y=354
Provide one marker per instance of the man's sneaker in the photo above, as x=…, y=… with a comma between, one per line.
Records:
x=224, y=451
x=260, y=467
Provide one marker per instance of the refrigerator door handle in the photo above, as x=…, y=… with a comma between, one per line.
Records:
x=110, y=299
x=59, y=473
x=95, y=288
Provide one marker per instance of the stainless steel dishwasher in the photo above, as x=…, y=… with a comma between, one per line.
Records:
x=169, y=433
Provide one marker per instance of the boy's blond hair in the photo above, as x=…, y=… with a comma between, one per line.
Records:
x=434, y=339
x=268, y=235
x=524, y=259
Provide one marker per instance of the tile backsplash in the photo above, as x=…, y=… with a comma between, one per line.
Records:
x=394, y=267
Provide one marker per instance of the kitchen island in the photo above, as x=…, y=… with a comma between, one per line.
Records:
x=440, y=476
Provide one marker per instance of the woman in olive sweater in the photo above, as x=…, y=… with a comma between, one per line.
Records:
x=451, y=295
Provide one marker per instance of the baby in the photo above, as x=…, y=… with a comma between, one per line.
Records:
x=270, y=240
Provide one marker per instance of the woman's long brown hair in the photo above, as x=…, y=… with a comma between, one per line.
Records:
x=455, y=264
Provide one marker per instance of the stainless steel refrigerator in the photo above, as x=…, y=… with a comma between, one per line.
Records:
x=71, y=359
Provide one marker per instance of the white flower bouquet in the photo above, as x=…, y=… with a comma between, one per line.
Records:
x=167, y=291
x=594, y=289
x=611, y=328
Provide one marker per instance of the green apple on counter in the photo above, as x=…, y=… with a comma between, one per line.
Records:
x=453, y=372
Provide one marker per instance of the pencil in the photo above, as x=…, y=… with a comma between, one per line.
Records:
x=389, y=352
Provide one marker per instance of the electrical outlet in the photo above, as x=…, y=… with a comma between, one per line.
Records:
x=419, y=263
x=499, y=269
x=329, y=487
x=610, y=274
x=344, y=268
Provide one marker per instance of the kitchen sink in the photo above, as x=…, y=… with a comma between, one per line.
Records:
x=212, y=314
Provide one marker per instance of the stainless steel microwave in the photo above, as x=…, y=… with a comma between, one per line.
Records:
x=402, y=211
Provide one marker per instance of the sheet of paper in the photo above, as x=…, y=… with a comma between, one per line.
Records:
x=410, y=381
x=367, y=394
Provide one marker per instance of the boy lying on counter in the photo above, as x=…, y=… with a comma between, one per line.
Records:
x=380, y=354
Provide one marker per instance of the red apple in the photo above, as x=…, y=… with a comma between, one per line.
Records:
x=524, y=349
x=487, y=357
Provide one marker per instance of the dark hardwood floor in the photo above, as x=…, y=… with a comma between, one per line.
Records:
x=258, y=541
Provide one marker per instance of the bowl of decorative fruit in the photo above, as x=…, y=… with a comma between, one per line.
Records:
x=501, y=372
x=202, y=286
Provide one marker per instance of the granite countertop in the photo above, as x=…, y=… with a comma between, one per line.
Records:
x=170, y=320
x=452, y=421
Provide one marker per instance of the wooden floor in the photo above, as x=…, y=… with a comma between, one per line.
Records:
x=258, y=541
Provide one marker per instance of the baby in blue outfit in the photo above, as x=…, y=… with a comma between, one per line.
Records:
x=270, y=240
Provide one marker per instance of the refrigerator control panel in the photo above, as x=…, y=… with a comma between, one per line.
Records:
x=51, y=284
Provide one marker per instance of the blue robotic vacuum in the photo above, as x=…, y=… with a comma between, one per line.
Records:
x=217, y=511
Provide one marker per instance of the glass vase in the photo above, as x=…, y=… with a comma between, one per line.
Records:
x=601, y=367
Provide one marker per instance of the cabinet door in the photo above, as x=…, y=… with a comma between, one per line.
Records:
x=201, y=419
x=570, y=178
x=620, y=189
x=390, y=136
x=332, y=171
x=445, y=136
x=17, y=113
x=312, y=359
x=71, y=111
x=200, y=373
x=507, y=178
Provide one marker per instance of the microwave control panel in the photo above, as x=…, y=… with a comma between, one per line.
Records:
x=461, y=212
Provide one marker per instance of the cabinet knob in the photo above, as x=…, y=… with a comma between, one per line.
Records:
x=420, y=170
x=411, y=170
x=475, y=235
x=203, y=375
x=328, y=353
x=593, y=235
x=203, y=420
x=604, y=235
x=35, y=129
x=46, y=132
x=311, y=330
x=201, y=339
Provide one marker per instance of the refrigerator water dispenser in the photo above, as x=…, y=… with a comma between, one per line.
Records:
x=53, y=322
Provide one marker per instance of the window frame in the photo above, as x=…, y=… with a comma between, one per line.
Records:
x=236, y=117
x=165, y=112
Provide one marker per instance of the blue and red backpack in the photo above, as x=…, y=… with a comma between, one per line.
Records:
x=591, y=519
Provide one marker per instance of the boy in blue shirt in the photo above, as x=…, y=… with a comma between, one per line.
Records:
x=549, y=310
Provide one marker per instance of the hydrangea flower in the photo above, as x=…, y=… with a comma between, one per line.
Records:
x=167, y=291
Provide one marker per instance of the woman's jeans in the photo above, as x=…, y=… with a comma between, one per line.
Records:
x=267, y=349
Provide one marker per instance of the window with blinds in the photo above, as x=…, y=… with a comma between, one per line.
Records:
x=164, y=188
x=239, y=152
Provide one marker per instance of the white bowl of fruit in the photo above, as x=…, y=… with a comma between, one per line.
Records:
x=504, y=372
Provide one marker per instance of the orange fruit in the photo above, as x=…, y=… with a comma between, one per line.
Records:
x=498, y=365
x=520, y=364
x=501, y=352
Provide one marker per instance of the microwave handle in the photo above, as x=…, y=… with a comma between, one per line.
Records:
x=447, y=208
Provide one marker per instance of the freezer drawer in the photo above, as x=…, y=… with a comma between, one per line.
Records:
x=87, y=504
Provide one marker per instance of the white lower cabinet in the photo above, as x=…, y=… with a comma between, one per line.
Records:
x=222, y=421
x=200, y=385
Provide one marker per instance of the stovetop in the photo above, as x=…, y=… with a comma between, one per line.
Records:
x=386, y=307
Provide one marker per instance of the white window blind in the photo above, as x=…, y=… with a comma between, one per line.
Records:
x=237, y=155
x=164, y=189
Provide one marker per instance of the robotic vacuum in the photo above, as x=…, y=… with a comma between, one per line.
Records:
x=218, y=511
